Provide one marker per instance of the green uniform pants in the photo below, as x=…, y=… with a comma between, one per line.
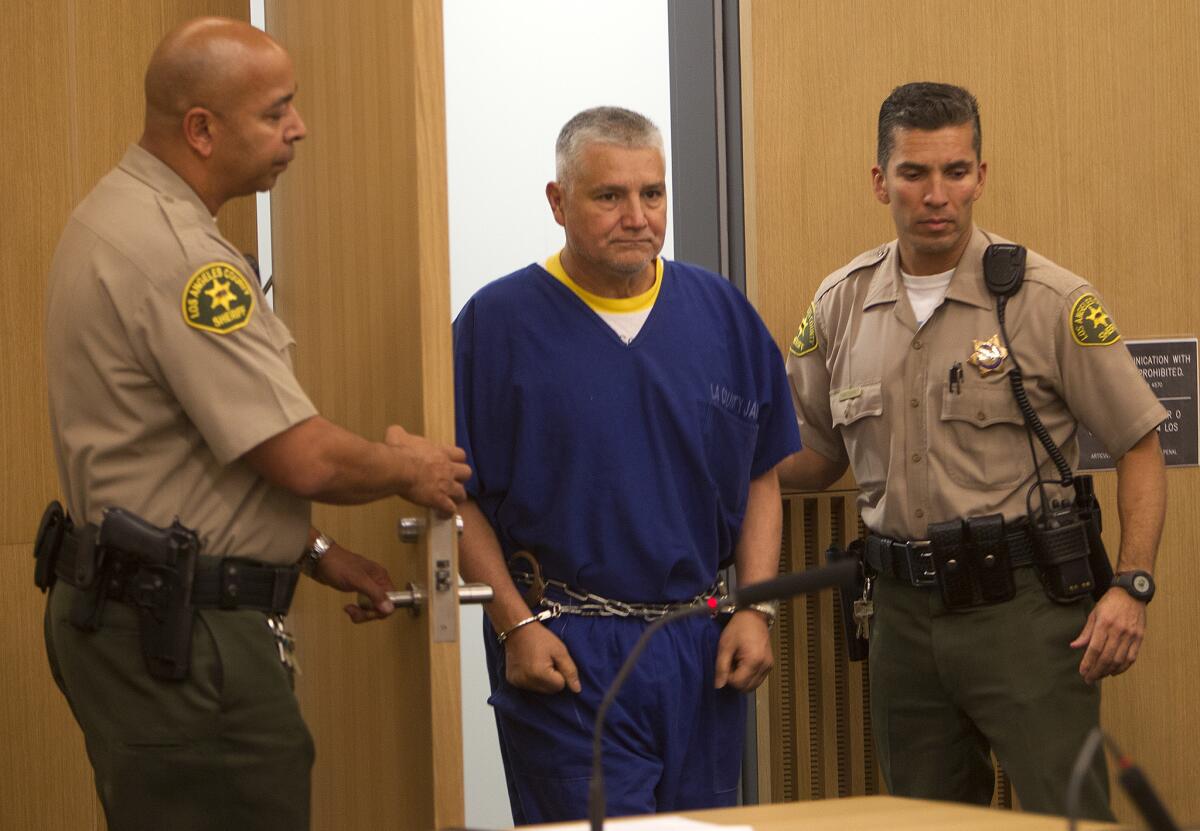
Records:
x=948, y=686
x=224, y=749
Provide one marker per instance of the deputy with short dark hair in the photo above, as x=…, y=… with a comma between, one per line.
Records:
x=902, y=370
x=173, y=403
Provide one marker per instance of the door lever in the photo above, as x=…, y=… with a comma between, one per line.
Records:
x=414, y=597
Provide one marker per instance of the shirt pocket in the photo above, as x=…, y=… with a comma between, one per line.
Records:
x=986, y=447
x=858, y=412
x=729, y=444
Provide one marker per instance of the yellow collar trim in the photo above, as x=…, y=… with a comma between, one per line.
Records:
x=595, y=302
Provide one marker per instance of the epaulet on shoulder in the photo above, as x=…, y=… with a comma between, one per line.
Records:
x=1046, y=272
x=866, y=259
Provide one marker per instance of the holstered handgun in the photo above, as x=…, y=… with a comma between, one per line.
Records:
x=857, y=647
x=162, y=562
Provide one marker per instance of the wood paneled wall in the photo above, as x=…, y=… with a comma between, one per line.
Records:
x=1090, y=117
x=73, y=101
x=362, y=279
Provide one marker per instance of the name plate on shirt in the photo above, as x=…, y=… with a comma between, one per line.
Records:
x=1169, y=367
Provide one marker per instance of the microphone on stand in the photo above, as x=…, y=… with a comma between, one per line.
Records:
x=841, y=575
x=1137, y=786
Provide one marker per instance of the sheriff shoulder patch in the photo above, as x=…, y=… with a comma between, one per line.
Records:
x=1091, y=324
x=806, y=339
x=218, y=298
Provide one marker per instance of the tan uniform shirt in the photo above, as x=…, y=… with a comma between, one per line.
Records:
x=870, y=387
x=165, y=365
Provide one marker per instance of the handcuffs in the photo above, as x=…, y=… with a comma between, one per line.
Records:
x=593, y=605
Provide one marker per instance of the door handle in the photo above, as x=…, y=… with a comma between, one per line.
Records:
x=414, y=597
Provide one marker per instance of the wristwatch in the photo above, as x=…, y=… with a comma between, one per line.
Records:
x=313, y=554
x=770, y=608
x=1139, y=584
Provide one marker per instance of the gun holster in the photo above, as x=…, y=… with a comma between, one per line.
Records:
x=857, y=647
x=133, y=562
x=160, y=567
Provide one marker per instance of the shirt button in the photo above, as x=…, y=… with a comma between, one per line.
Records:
x=980, y=415
x=914, y=403
x=916, y=457
x=918, y=513
x=916, y=344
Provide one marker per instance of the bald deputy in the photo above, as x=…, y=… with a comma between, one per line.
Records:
x=172, y=396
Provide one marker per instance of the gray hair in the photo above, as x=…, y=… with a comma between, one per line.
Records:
x=602, y=125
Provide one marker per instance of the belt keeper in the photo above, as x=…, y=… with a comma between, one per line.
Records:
x=89, y=557
x=228, y=596
x=883, y=553
x=284, y=586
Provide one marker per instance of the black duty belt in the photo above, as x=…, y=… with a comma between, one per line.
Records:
x=911, y=561
x=218, y=583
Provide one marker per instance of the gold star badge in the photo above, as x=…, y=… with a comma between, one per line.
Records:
x=989, y=355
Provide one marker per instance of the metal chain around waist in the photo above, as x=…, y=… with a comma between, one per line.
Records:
x=588, y=604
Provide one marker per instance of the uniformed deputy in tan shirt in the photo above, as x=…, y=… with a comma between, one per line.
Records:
x=165, y=365
x=872, y=388
x=899, y=370
x=172, y=396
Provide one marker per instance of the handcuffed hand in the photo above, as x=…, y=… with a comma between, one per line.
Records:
x=536, y=659
x=744, y=657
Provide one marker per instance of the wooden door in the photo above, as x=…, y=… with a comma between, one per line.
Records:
x=361, y=256
x=1089, y=127
x=73, y=74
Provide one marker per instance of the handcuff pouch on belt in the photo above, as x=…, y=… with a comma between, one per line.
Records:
x=855, y=608
x=972, y=562
x=52, y=530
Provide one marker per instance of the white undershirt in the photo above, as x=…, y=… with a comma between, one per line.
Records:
x=625, y=324
x=926, y=293
x=624, y=315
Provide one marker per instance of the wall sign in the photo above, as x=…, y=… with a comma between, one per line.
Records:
x=1169, y=367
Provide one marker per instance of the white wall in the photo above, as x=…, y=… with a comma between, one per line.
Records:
x=515, y=72
x=266, y=262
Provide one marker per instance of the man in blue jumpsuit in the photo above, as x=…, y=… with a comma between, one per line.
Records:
x=624, y=416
